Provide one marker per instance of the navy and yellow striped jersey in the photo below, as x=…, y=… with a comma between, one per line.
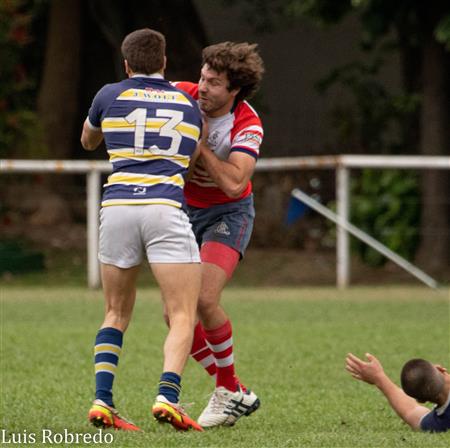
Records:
x=151, y=130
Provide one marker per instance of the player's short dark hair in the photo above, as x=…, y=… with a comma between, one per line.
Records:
x=421, y=380
x=144, y=51
x=241, y=63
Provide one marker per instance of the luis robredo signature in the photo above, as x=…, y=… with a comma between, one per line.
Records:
x=49, y=436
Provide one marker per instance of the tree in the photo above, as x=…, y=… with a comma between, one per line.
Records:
x=83, y=48
x=58, y=94
x=422, y=32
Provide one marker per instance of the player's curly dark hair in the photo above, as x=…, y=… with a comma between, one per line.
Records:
x=144, y=51
x=421, y=380
x=240, y=61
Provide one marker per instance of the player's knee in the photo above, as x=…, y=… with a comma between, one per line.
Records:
x=182, y=320
x=206, y=307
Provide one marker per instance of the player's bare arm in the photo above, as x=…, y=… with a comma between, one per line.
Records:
x=192, y=163
x=372, y=372
x=90, y=137
x=232, y=175
x=196, y=155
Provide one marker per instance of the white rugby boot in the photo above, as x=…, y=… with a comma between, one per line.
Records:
x=226, y=407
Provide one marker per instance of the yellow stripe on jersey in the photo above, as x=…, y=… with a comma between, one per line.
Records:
x=144, y=179
x=159, y=96
x=188, y=130
x=157, y=201
x=118, y=124
x=110, y=124
x=117, y=155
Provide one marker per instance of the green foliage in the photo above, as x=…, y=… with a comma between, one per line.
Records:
x=385, y=204
x=371, y=119
x=17, y=257
x=290, y=346
x=20, y=130
x=442, y=31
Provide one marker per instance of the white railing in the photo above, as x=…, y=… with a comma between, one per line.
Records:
x=342, y=164
x=365, y=237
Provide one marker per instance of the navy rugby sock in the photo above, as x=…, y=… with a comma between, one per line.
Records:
x=170, y=386
x=108, y=345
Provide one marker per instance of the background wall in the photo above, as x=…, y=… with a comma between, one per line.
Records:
x=296, y=117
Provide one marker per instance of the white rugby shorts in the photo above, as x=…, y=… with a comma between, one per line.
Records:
x=163, y=232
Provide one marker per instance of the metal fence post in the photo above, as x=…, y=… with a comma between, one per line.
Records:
x=93, y=208
x=342, y=238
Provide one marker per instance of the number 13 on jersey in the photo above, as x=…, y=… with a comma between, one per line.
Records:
x=168, y=129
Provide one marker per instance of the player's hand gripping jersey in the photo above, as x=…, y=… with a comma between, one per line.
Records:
x=240, y=130
x=151, y=130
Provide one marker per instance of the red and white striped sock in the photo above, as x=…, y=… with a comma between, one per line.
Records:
x=220, y=341
x=201, y=352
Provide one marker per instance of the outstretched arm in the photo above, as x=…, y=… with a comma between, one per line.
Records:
x=372, y=372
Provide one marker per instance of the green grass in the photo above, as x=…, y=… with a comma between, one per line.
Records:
x=290, y=348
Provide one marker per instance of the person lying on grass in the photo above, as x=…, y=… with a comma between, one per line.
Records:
x=421, y=382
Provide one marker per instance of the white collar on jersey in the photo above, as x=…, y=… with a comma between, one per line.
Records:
x=441, y=410
x=153, y=75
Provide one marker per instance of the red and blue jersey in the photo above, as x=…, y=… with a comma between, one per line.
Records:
x=240, y=130
x=151, y=130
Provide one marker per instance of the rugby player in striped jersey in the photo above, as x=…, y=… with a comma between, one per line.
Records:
x=151, y=130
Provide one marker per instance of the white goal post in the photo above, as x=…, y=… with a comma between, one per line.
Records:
x=341, y=163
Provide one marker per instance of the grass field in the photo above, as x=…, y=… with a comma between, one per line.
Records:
x=290, y=348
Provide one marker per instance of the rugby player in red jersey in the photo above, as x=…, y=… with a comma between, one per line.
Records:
x=220, y=205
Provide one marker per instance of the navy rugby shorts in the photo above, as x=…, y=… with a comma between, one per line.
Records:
x=230, y=224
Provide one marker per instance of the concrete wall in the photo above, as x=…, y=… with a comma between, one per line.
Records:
x=295, y=116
